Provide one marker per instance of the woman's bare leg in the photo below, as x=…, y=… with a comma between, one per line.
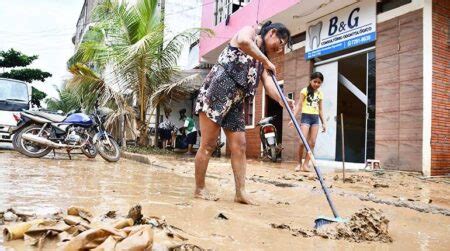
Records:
x=313, y=131
x=210, y=131
x=237, y=144
x=174, y=138
x=300, y=157
x=305, y=131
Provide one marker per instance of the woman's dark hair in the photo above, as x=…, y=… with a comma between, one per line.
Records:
x=314, y=75
x=282, y=32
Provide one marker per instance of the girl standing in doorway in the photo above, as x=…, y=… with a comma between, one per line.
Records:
x=310, y=108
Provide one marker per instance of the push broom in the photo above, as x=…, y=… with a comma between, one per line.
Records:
x=320, y=221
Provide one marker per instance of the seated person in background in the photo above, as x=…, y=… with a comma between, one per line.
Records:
x=191, y=131
x=167, y=130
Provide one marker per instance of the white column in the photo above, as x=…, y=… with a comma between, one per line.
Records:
x=427, y=86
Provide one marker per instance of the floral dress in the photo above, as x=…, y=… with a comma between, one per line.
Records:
x=234, y=78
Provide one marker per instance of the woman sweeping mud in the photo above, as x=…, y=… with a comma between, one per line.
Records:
x=220, y=102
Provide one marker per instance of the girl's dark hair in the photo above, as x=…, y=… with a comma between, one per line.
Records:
x=314, y=75
x=282, y=32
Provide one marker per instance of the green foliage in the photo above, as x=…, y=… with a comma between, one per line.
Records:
x=37, y=96
x=27, y=75
x=13, y=58
x=129, y=41
x=68, y=100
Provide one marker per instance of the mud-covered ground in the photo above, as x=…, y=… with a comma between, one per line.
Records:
x=417, y=209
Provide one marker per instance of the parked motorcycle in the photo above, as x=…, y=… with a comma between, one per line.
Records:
x=22, y=122
x=268, y=135
x=44, y=132
x=15, y=131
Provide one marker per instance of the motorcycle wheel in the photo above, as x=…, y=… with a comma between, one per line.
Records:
x=273, y=153
x=15, y=141
x=89, y=150
x=29, y=148
x=109, y=152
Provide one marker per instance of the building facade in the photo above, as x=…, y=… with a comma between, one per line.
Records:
x=386, y=68
x=84, y=20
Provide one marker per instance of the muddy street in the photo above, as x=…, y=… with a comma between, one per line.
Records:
x=165, y=188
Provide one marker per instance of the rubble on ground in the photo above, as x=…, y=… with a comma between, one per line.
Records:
x=78, y=229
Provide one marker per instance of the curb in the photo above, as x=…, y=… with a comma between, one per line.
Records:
x=142, y=158
x=145, y=159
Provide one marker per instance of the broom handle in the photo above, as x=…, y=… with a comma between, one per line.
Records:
x=308, y=149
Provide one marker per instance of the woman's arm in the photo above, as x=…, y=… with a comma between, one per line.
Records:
x=272, y=91
x=245, y=40
x=324, y=126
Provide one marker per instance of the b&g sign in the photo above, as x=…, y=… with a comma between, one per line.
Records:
x=352, y=26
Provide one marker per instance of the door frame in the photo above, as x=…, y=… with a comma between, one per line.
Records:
x=355, y=53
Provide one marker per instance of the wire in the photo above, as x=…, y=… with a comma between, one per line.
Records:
x=190, y=8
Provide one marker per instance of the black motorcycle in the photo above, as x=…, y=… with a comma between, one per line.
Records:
x=268, y=135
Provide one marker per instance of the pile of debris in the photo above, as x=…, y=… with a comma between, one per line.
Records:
x=368, y=224
x=77, y=229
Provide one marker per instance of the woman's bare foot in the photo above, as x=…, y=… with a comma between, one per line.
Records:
x=242, y=198
x=298, y=168
x=205, y=195
x=305, y=169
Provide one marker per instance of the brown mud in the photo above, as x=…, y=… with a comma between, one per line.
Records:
x=46, y=186
x=368, y=224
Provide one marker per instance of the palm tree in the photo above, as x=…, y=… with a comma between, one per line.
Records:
x=127, y=45
x=67, y=101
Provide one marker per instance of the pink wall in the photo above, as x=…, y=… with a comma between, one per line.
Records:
x=249, y=15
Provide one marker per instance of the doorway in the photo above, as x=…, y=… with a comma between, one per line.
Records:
x=351, y=91
x=352, y=74
x=274, y=109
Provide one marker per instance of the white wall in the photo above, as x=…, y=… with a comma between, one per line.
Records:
x=180, y=16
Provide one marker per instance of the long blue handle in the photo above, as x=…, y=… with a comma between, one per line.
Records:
x=302, y=137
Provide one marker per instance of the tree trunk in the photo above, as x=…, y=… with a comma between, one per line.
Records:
x=123, y=140
x=143, y=128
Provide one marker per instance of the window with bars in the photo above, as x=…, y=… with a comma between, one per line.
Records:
x=387, y=5
x=224, y=8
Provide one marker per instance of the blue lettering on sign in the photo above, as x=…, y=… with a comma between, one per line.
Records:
x=364, y=39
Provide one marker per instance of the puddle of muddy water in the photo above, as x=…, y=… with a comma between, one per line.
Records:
x=48, y=184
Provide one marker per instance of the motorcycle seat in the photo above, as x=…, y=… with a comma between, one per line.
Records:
x=52, y=117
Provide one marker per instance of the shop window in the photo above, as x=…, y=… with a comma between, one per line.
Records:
x=387, y=5
x=225, y=8
x=194, y=44
x=248, y=111
x=298, y=38
x=291, y=96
